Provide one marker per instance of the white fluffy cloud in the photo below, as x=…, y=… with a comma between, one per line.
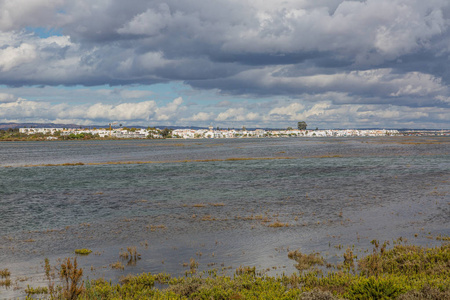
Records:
x=145, y=111
x=6, y=98
x=11, y=57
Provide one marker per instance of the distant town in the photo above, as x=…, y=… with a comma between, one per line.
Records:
x=216, y=133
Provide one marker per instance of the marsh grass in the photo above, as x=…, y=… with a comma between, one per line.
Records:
x=35, y=291
x=131, y=255
x=117, y=265
x=246, y=270
x=156, y=227
x=252, y=217
x=193, y=266
x=50, y=277
x=154, y=162
x=407, y=273
x=404, y=272
x=278, y=224
x=208, y=218
x=306, y=261
x=217, y=204
x=5, y=278
x=325, y=156
x=71, y=275
x=5, y=273
x=5, y=282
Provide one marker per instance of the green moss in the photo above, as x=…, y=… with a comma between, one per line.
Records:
x=83, y=251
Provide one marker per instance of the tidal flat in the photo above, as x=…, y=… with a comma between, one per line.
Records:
x=216, y=204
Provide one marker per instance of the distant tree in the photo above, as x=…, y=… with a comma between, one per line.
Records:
x=289, y=128
x=243, y=128
x=301, y=125
x=166, y=132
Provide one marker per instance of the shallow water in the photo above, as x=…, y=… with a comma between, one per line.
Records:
x=331, y=193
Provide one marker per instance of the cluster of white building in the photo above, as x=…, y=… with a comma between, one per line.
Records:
x=208, y=133
x=211, y=133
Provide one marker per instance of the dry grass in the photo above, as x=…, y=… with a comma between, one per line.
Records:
x=156, y=162
x=199, y=205
x=208, y=218
x=217, y=204
x=193, y=265
x=5, y=273
x=71, y=279
x=117, y=265
x=325, y=156
x=5, y=282
x=246, y=270
x=306, y=261
x=349, y=258
x=278, y=224
x=131, y=255
x=156, y=227
x=252, y=217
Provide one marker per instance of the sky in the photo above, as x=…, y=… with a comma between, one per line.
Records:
x=226, y=63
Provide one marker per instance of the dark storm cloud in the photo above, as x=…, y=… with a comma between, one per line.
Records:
x=376, y=51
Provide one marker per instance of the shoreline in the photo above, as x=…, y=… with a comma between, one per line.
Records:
x=59, y=139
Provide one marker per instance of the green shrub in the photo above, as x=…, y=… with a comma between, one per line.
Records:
x=374, y=288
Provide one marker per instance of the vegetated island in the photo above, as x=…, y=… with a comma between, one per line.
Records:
x=402, y=271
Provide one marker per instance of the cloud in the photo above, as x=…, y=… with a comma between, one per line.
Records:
x=237, y=114
x=148, y=23
x=145, y=111
x=6, y=98
x=324, y=52
x=11, y=57
x=16, y=14
x=201, y=116
x=134, y=94
x=289, y=110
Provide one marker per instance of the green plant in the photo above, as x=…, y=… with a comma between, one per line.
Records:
x=374, y=288
x=38, y=290
x=83, y=251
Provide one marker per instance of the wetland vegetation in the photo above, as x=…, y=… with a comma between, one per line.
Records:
x=403, y=271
